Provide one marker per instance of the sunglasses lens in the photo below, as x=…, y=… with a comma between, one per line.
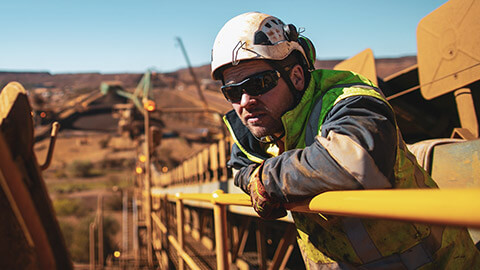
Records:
x=262, y=84
x=254, y=85
x=232, y=93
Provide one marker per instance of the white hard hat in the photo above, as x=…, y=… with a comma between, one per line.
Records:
x=254, y=35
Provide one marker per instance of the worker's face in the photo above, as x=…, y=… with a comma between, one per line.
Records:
x=260, y=114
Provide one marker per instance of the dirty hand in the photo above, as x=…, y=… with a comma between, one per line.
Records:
x=265, y=206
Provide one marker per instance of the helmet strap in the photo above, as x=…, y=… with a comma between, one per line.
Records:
x=297, y=94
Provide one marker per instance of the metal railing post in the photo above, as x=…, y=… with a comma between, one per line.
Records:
x=100, y=230
x=220, y=220
x=136, y=250
x=148, y=183
x=180, y=231
x=125, y=228
x=92, y=245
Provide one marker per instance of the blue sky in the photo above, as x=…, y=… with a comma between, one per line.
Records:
x=131, y=36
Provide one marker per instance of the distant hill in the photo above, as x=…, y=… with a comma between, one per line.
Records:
x=84, y=82
x=385, y=67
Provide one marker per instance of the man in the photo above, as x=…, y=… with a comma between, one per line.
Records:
x=299, y=132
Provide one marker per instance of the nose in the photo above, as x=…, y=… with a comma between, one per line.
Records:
x=246, y=100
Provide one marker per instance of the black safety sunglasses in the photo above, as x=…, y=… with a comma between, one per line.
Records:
x=255, y=85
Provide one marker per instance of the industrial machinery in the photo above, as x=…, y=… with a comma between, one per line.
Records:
x=193, y=214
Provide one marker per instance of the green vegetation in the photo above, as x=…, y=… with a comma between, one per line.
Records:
x=81, y=168
x=69, y=207
x=79, y=242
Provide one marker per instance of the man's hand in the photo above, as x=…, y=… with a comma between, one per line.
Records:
x=262, y=203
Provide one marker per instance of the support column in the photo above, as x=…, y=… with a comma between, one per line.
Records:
x=148, y=194
x=467, y=114
x=180, y=233
x=220, y=220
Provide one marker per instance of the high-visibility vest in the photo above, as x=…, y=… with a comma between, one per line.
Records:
x=331, y=242
x=345, y=242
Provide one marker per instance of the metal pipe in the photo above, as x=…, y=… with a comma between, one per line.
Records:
x=220, y=219
x=51, y=146
x=180, y=232
x=456, y=207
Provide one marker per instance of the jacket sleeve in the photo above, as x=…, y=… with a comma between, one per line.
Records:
x=245, y=167
x=356, y=150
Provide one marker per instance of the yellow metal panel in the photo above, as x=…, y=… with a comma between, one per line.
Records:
x=449, y=47
x=457, y=165
x=362, y=63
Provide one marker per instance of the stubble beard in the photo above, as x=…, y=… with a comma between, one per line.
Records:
x=270, y=128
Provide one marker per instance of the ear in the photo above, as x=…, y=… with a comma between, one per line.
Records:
x=297, y=77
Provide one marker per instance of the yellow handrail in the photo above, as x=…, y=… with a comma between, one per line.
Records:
x=458, y=207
